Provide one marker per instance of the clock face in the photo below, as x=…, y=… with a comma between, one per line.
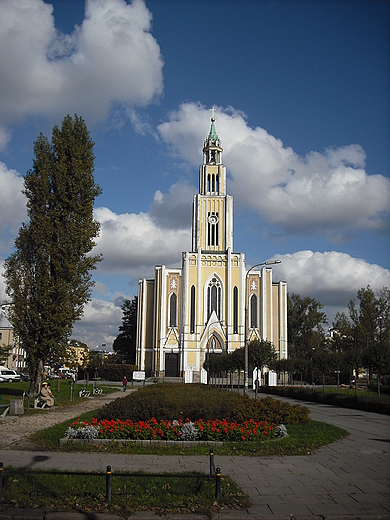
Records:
x=213, y=219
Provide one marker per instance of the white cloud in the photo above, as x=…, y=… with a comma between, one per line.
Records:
x=173, y=210
x=133, y=243
x=331, y=277
x=112, y=58
x=12, y=204
x=328, y=192
x=100, y=323
x=5, y=137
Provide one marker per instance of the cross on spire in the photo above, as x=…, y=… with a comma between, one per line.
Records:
x=212, y=110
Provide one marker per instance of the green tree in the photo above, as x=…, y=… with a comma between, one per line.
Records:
x=125, y=342
x=364, y=334
x=305, y=325
x=261, y=354
x=5, y=351
x=49, y=274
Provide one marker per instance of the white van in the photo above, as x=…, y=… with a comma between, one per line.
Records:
x=6, y=374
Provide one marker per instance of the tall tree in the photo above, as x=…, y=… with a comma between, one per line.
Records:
x=125, y=342
x=364, y=333
x=49, y=274
x=305, y=325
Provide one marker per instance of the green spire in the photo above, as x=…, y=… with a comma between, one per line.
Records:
x=213, y=134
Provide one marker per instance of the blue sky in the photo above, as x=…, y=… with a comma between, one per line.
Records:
x=303, y=113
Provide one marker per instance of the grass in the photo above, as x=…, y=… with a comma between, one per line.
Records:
x=365, y=399
x=166, y=494
x=302, y=439
x=61, y=389
x=362, y=393
x=169, y=493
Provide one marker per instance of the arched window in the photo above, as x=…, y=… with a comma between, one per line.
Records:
x=192, y=310
x=217, y=187
x=253, y=308
x=235, y=310
x=214, y=297
x=173, y=310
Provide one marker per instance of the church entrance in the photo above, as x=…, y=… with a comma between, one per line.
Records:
x=171, y=365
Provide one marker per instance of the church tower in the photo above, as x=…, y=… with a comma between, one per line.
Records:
x=212, y=225
x=185, y=314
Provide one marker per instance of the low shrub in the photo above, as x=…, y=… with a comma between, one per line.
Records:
x=344, y=401
x=180, y=401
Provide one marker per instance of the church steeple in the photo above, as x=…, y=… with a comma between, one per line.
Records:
x=212, y=228
x=212, y=149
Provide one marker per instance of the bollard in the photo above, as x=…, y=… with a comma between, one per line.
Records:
x=108, y=484
x=212, y=462
x=1, y=479
x=218, y=485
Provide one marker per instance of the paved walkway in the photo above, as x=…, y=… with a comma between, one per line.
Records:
x=347, y=479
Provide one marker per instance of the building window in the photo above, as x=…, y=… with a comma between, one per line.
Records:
x=214, y=298
x=192, y=310
x=173, y=310
x=235, y=310
x=212, y=229
x=253, y=308
x=1, y=336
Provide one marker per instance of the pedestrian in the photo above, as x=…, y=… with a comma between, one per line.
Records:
x=124, y=383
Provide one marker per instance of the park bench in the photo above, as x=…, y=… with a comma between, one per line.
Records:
x=39, y=403
x=84, y=393
x=4, y=408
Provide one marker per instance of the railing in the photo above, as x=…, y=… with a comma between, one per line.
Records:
x=214, y=474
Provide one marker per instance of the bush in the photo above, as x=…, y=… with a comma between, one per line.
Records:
x=113, y=372
x=180, y=401
x=344, y=401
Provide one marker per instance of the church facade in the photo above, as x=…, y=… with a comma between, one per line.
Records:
x=213, y=303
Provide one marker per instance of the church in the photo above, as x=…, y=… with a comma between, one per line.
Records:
x=213, y=303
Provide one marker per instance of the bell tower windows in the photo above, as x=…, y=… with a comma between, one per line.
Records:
x=212, y=229
x=212, y=187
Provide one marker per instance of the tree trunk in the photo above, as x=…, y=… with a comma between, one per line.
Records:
x=323, y=382
x=36, y=380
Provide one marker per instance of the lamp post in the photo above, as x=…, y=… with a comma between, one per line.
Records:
x=246, y=357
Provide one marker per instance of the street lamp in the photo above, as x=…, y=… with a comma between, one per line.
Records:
x=246, y=360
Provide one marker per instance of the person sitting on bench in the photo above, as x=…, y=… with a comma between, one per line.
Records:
x=46, y=395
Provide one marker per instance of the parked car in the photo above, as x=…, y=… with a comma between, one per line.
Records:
x=9, y=375
x=24, y=377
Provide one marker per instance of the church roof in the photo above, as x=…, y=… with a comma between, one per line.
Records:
x=4, y=323
x=213, y=134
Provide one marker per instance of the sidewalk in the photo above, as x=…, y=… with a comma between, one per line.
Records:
x=347, y=479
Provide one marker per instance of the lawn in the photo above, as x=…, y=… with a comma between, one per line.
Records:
x=61, y=389
x=168, y=493
x=150, y=409
x=181, y=493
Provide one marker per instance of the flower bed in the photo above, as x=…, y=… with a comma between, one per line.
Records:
x=200, y=430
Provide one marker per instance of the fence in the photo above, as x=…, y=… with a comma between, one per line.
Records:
x=214, y=474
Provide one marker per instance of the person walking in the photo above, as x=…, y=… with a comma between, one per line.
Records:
x=124, y=383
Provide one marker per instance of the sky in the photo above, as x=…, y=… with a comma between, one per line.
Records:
x=301, y=90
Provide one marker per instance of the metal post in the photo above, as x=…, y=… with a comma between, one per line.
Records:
x=1, y=479
x=108, y=484
x=212, y=462
x=218, y=485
